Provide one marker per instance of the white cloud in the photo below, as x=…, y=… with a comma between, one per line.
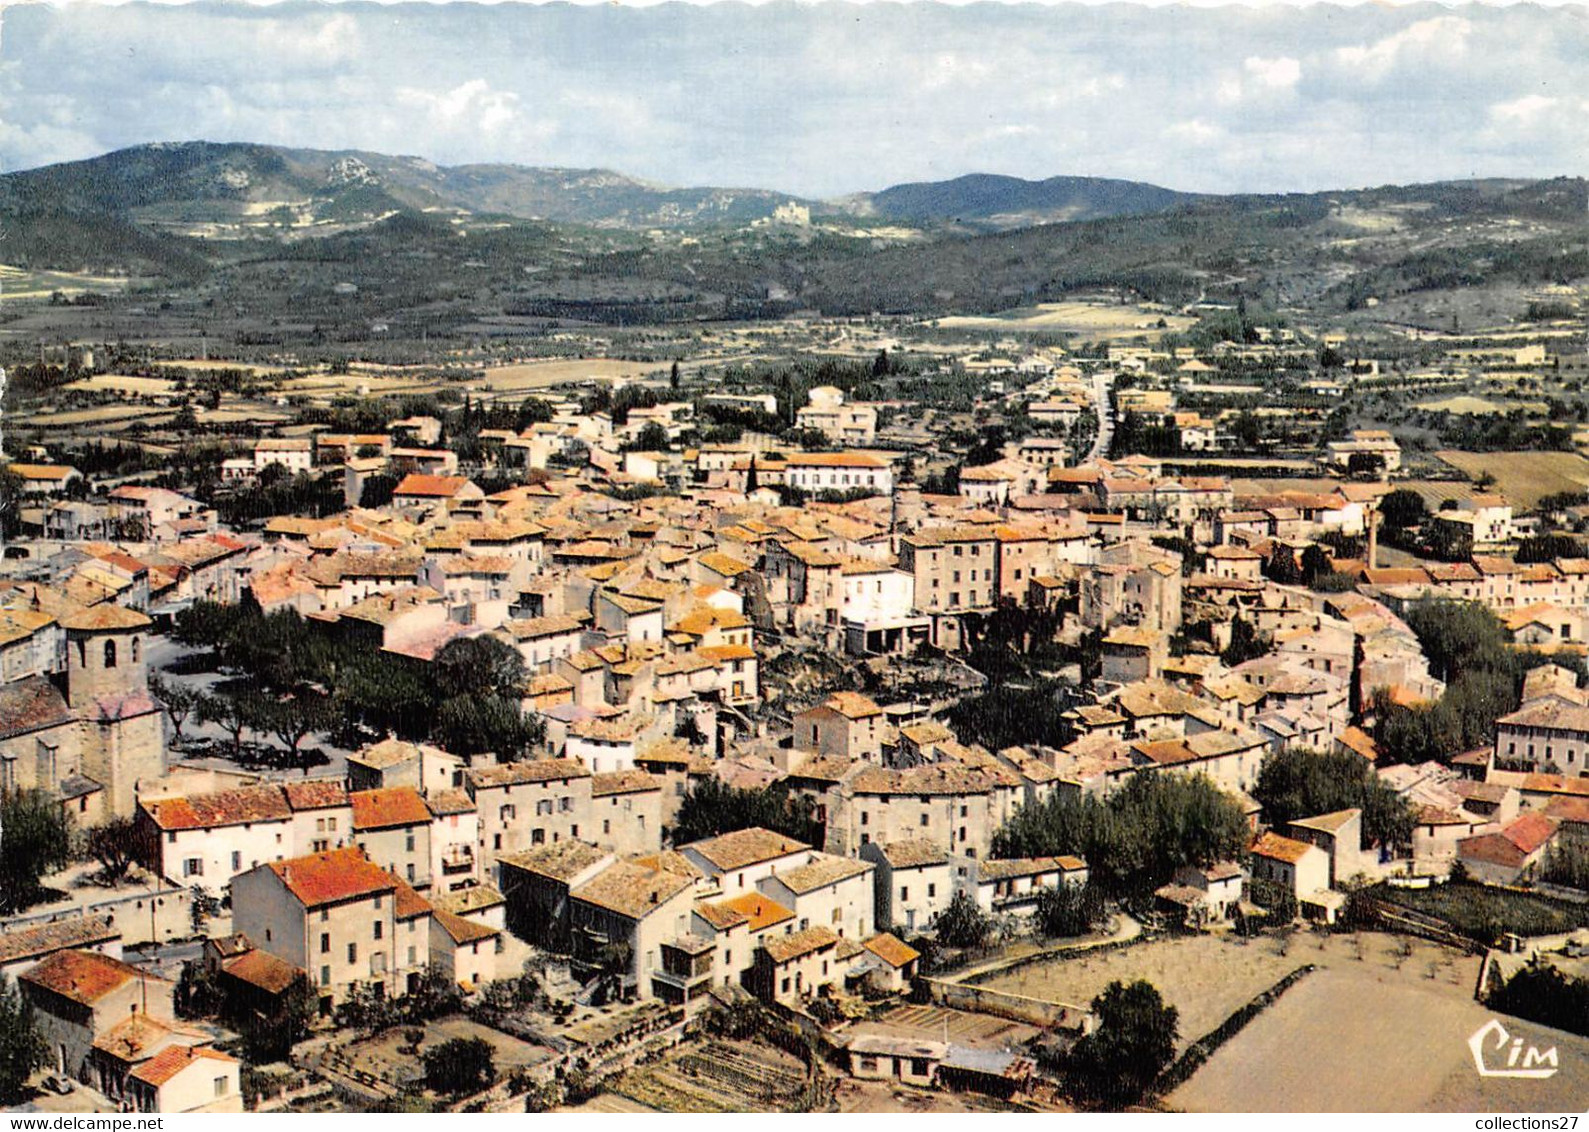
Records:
x=469, y=105
x=1273, y=74
x=1523, y=111
x=1441, y=41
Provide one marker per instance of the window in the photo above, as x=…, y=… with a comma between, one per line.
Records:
x=537, y=837
x=932, y=890
x=379, y=928
x=964, y=810
x=325, y=915
x=565, y=804
x=507, y=813
x=222, y=1086
x=377, y=902
x=904, y=892
x=325, y=976
x=606, y=825
x=325, y=943
x=866, y=818
x=353, y=953
x=193, y=867
x=543, y=807
x=924, y=819
x=110, y=654
x=237, y=861
x=411, y=874
x=413, y=957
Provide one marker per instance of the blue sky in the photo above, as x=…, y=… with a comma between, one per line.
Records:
x=823, y=99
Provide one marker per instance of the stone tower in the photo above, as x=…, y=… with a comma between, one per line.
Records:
x=123, y=734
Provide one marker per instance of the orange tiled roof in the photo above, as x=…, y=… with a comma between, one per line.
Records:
x=173, y=1060
x=388, y=807
x=332, y=877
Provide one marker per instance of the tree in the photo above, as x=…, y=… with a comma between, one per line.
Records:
x=1135, y=840
x=1069, y=909
x=11, y=499
x=292, y=719
x=1547, y=548
x=179, y=700
x=477, y=725
x=652, y=438
x=22, y=1048
x=114, y=844
x=1282, y=566
x=460, y=1065
x=962, y=923
x=1246, y=643
x=34, y=835
x=479, y=666
x=1401, y=509
x=713, y=808
x=1296, y=783
x=1116, y=1065
x=234, y=712
x=1365, y=464
x=1315, y=565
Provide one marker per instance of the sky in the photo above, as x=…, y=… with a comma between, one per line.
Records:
x=821, y=99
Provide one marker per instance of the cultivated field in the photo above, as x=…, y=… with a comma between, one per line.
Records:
x=1468, y=405
x=542, y=375
x=1091, y=320
x=1523, y=477
x=124, y=383
x=1208, y=978
x=715, y=1076
x=1356, y=1039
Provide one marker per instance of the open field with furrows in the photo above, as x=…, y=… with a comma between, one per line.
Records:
x=21, y=283
x=938, y=1023
x=1208, y=978
x=1465, y=404
x=124, y=383
x=714, y=1076
x=1091, y=320
x=1351, y=1038
x=101, y=416
x=1523, y=477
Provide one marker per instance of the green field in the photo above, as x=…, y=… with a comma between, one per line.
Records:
x=1483, y=913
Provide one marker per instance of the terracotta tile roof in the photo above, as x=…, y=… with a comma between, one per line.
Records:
x=316, y=794
x=431, y=487
x=784, y=948
x=743, y=847
x=166, y=1064
x=820, y=873
x=475, y=898
x=535, y=770
x=1278, y=848
x=444, y=802
x=630, y=889
x=463, y=931
x=84, y=976
x=33, y=704
x=263, y=970
x=105, y=616
x=222, y=808
x=332, y=877
x=389, y=807
x=623, y=782
x=891, y=949
x=43, y=939
x=852, y=705
x=562, y=861
x=408, y=904
x=1030, y=866
x=913, y=854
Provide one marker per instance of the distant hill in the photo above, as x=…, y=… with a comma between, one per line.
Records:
x=983, y=200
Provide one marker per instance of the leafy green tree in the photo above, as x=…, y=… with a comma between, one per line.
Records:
x=179, y=700
x=1542, y=993
x=477, y=725
x=114, y=843
x=1548, y=548
x=962, y=923
x=460, y=1065
x=1116, y=1065
x=1069, y=909
x=1135, y=840
x=1282, y=566
x=1246, y=643
x=1296, y=783
x=23, y=1049
x=713, y=808
x=11, y=499
x=34, y=836
x=1401, y=509
x=480, y=666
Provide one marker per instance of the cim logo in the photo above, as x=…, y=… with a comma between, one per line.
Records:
x=1531, y=1063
